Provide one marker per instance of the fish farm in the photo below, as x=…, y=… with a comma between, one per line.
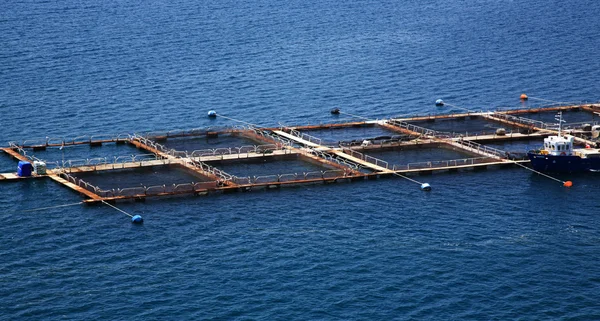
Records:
x=246, y=157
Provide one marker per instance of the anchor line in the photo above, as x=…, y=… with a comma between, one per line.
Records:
x=116, y=208
x=548, y=100
x=356, y=116
x=51, y=207
x=540, y=173
x=237, y=120
x=407, y=178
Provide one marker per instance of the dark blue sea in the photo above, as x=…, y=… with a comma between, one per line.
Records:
x=501, y=244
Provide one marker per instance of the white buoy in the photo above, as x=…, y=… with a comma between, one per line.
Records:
x=425, y=187
x=212, y=114
x=439, y=102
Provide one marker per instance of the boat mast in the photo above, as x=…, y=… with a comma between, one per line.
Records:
x=559, y=122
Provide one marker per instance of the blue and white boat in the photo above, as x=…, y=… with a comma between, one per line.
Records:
x=558, y=155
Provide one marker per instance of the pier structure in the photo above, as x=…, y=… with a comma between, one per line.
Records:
x=340, y=162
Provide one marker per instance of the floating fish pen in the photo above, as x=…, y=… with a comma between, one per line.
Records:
x=244, y=158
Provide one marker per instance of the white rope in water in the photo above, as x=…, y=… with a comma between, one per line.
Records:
x=356, y=116
x=118, y=209
x=239, y=121
x=410, y=179
x=454, y=106
x=533, y=170
x=548, y=100
x=51, y=207
x=366, y=118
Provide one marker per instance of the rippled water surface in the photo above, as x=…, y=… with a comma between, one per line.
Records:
x=499, y=244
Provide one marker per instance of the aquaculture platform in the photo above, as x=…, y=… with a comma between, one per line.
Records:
x=207, y=160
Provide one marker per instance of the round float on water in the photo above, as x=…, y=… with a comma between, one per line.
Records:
x=439, y=102
x=568, y=184
x=425, y=187
x=335, y=111
x=137, y=219
x=212, y=114
x=524, y=97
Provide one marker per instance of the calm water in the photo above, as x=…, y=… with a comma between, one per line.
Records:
x=500, y=244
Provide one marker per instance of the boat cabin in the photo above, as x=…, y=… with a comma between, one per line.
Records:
x=559, y=145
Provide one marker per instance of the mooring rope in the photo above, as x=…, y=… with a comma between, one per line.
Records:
x=51, y=207
x=237, y=120
x=116, y=208
x=451, y=105
x=545, y=175
x=548, y=100
x=356, y=116
x=407, y=178
x=366, y=118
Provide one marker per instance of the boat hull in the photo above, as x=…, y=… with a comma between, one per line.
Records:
x=563, y=164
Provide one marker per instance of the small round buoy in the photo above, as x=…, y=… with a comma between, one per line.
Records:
x=425, y=187
x=137, y=219
x=212, y=114
x=439, y=102
x=500, y=131
x=524, y=97
x=568, y=184
x=335, y=111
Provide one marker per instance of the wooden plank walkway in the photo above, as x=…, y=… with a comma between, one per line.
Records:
x=15, y=177
x=541, y=109
x=456, y=167
x=15, y=154
x=179, y=161
x=128, y=165
x=328, y=126
x=505, y=121
x=440, y=116
x=297, y=139
x=228, y=157
x=334, y=151
x=244, y=187
x=307, y=154
x=473, y=150
x=588, y=107
x=360, y=161
x=76, y=188
x=74, y=143
x=152, y=150
x=508, y=136
x=398, y=129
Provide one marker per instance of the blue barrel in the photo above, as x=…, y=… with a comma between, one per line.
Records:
x=24, y=169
